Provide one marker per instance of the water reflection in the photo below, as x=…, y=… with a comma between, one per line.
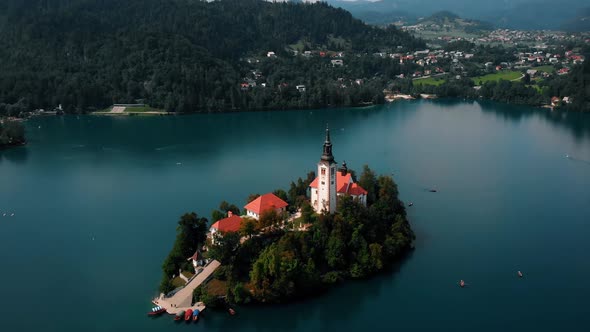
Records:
x=200, y=136
x=578, y=124
x=337, y=305
x=17, y=155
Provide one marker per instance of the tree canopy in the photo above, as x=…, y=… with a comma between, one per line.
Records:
x=191, y=233
x=11, y=133
x=280, y=264
x=182, y=55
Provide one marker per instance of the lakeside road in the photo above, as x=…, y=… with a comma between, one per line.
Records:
x=182, y=299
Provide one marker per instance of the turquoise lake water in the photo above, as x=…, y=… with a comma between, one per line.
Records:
x=96, y=201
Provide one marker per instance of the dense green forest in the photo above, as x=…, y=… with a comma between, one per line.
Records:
x=11, y=133
x=186, y=55
x=279, y=262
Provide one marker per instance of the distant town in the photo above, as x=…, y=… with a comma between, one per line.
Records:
x=539, y=56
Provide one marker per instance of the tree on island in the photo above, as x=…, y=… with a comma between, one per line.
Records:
x=248, y=227
x=224, y=208
x=369, y=182
x=252, y=197
x=191, y=234
x=11, y=133
x=270, y=218
x=224, y=247
x=297, y=193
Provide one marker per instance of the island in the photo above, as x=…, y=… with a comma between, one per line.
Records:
x=12, y=133
x=287, y=245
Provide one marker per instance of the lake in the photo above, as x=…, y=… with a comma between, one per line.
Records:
x=96, y=201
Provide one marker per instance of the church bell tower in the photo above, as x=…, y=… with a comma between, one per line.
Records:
x=326, y=179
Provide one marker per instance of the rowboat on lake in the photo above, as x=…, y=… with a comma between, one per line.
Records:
x=156, y=311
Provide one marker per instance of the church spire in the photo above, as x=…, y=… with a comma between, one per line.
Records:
x=327, y=155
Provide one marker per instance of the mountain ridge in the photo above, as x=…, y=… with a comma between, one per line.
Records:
x=516, y=14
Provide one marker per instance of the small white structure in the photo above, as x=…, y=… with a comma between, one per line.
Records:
x=300, y=88
x=271, y=55
x=195, y=259
x=337, y=62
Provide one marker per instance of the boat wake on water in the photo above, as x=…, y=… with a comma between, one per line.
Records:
x=167, y=147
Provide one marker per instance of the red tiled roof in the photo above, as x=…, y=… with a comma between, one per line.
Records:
x=229, y=224
x=194, y=257
x=314, y=183
x=265, y=202
x=344, y=185
x=356, y=190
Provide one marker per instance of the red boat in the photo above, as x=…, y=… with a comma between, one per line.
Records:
x=462, y=283
x=156, y=311
x=231, y=311
x=179, y=315
x=188, y=314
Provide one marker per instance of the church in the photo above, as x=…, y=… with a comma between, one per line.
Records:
x=332, y=182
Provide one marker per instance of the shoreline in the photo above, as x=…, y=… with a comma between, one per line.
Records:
x=410, y=98
x=228, y=111
x=11, y=146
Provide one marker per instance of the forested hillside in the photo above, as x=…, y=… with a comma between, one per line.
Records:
x=181, y=55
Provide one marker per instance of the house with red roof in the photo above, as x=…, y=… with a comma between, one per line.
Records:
x=263, y=203
x=226, y=225
x=195, y=259
x=331, y=183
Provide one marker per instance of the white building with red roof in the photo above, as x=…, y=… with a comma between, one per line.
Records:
x=263, y=203
x=226, y=225
x=331, y=183
x=195, y=259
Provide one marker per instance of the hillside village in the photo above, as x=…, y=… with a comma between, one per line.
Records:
x=430, y=66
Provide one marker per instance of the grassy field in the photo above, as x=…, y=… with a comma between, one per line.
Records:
x=546, y=68
x=429, y=81
x=133, y=110
x=217, y=287
x=501, y=75
x=141, y=109
x=177, y=282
